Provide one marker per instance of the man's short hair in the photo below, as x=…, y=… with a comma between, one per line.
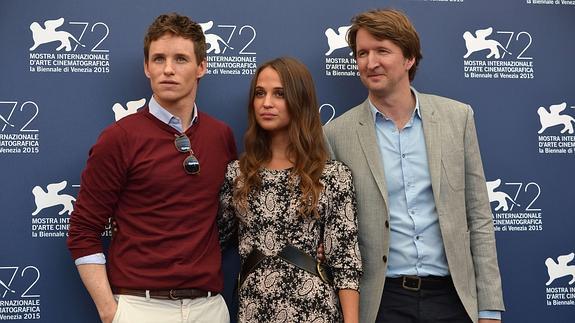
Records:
x=178, y=25
x=390, y=24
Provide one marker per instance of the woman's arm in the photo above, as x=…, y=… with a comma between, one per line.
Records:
x=341, y=240
x=349, y=299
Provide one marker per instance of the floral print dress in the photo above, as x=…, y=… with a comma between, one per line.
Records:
x=277, y=291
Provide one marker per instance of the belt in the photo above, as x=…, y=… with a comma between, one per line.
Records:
x=250, y=264
x=172, y=294
x=291, y=255
x=416, y=283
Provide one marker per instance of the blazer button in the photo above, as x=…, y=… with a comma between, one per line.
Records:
x=387, y=224
x=385, y=259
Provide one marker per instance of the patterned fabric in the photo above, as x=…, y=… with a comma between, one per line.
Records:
x=277, y=291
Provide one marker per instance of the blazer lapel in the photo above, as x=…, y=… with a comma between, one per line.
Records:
x=432, y=133
x=368, y=142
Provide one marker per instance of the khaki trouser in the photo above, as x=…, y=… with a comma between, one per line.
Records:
x=135, y=309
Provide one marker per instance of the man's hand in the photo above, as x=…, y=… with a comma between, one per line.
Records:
x=320, y=253
x=95, y=279
x=108, y=315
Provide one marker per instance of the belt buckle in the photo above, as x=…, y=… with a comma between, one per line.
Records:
x=412, y=283
x=321, y=272
x=173, y=294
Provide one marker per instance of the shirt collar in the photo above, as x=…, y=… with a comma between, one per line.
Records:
x=164, y=115
x=375, y=112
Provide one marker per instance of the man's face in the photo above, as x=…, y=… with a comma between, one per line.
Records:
x=173, y=70
x=382, y=67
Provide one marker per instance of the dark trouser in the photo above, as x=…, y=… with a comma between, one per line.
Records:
x=436, y=301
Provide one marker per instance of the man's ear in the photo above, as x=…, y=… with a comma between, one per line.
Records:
x=202, y=69
x=409, y=62
x=146, y=68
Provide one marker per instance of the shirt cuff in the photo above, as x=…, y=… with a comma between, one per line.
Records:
x=97, y=258
x=493, y=315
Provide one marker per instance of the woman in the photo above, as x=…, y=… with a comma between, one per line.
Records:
x=288, y=199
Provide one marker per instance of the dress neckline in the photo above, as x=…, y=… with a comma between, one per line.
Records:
x=273, y=170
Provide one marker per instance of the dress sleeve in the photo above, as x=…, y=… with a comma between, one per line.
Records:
x=341, y=230
x=227, y=220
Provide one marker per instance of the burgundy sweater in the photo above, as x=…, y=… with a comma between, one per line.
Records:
x=167, y=236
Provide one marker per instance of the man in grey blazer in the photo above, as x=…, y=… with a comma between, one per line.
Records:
x=425, y=223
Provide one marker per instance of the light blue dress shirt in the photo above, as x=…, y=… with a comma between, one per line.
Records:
x=166, y=117
x=416, y=246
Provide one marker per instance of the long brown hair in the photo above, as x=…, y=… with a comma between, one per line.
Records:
x=306, y=147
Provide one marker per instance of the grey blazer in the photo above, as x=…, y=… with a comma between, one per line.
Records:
x=459, y=190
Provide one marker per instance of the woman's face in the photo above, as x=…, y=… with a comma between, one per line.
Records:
x=270, y=106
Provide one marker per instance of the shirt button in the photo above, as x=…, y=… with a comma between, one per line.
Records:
x=402, y=155
x=385, y=259
x=416, y=237
x=419, y=265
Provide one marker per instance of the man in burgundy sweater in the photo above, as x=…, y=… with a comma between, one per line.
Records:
x=157, y=173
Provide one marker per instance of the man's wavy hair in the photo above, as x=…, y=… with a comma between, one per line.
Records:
x=306, y=147
x=178, y=25
x=390, y=24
